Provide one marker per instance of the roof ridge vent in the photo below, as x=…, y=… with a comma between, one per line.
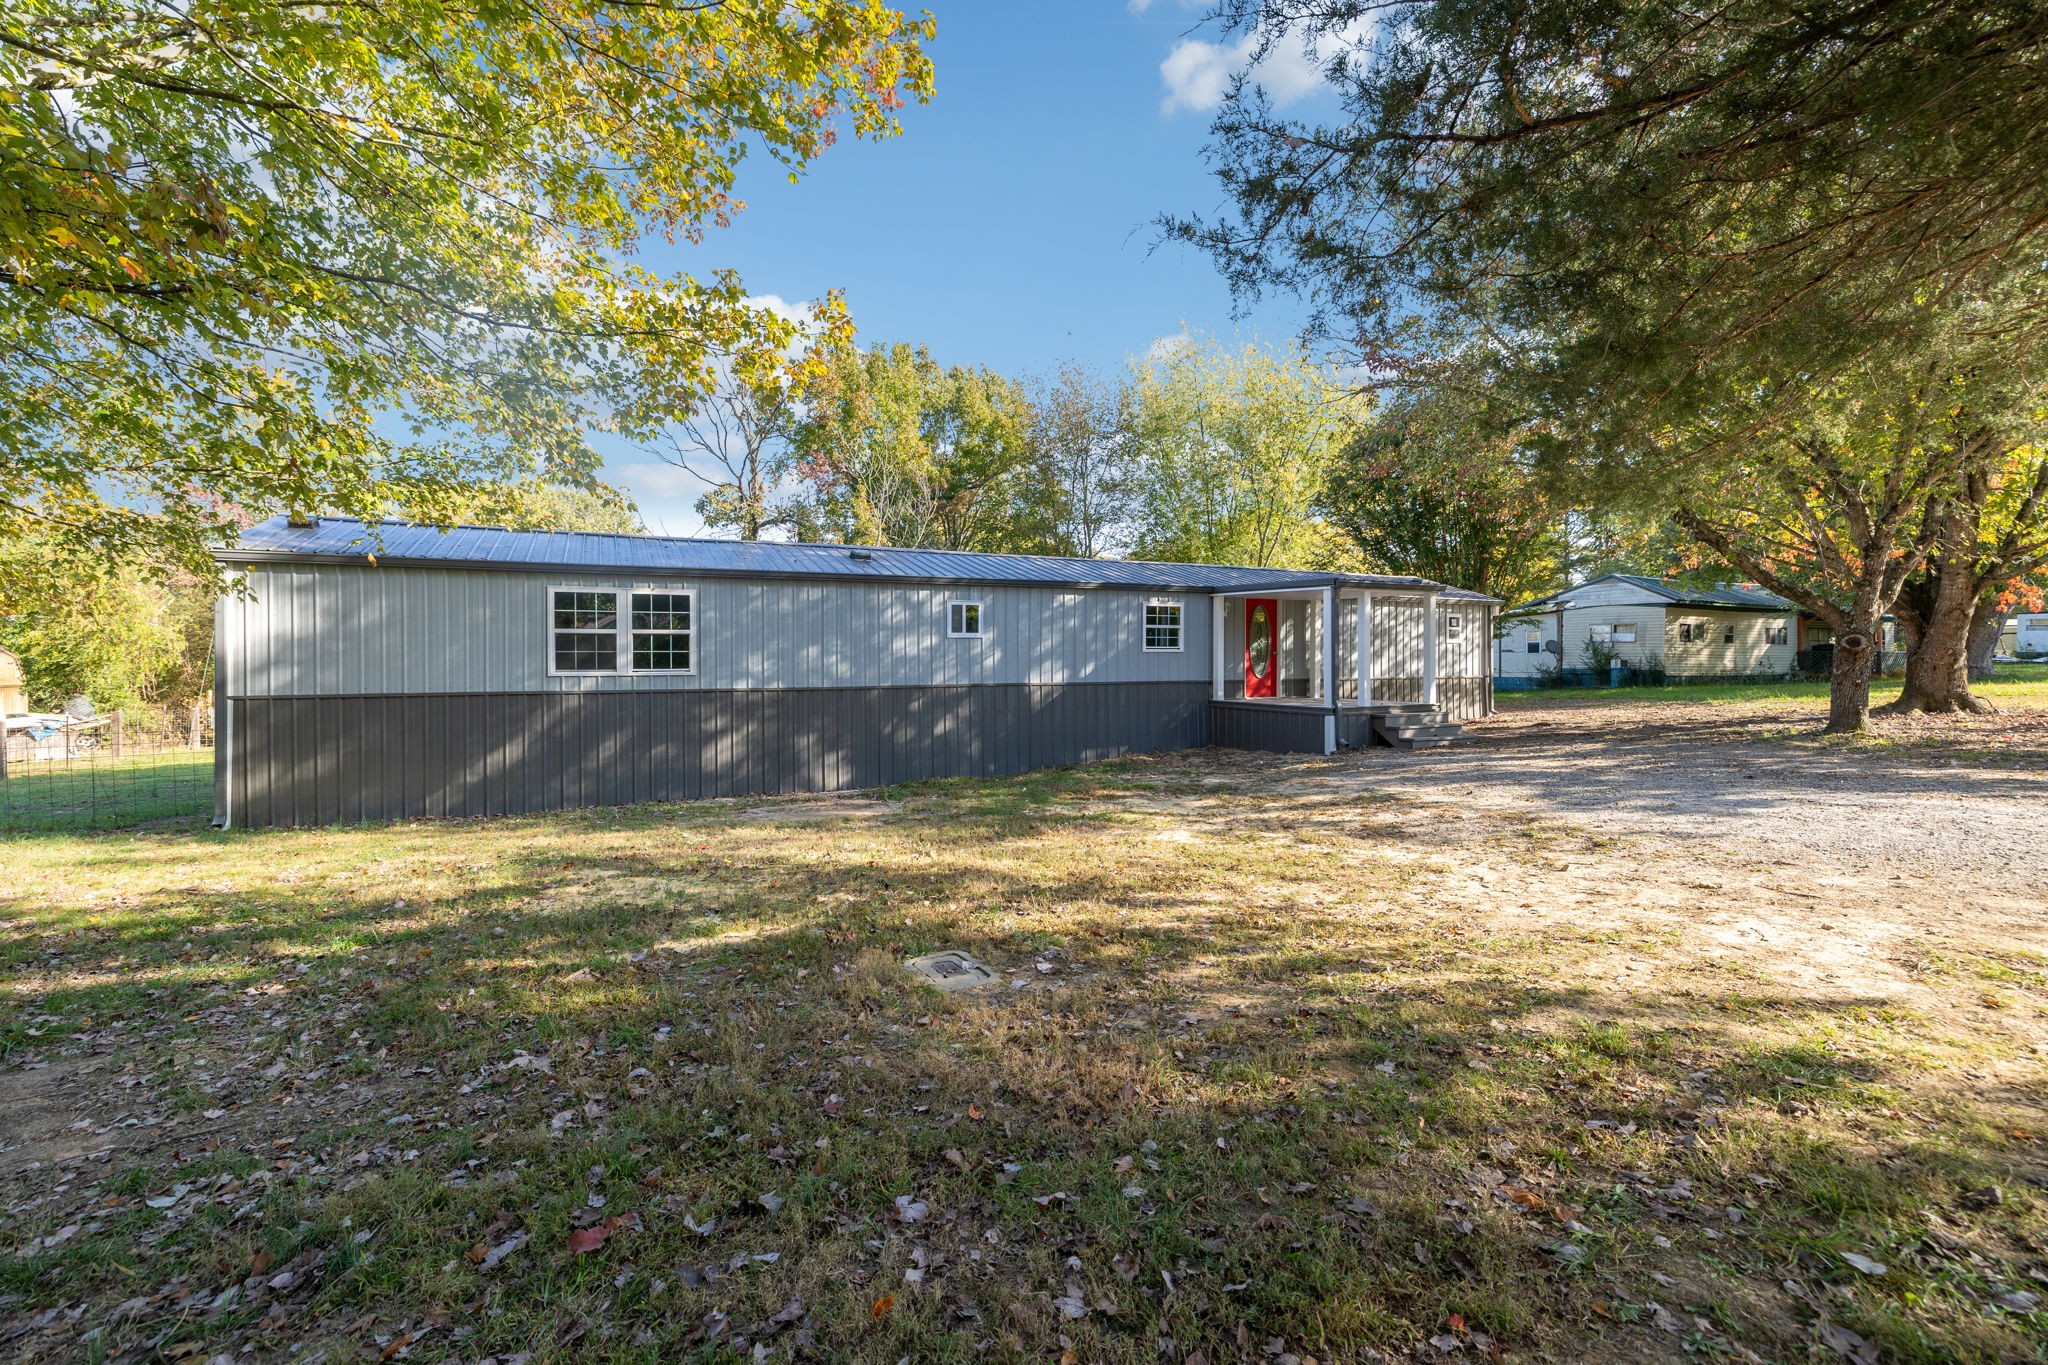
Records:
x=860, y=553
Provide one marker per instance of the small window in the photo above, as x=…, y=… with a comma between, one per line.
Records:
x=1162, y=625
x=661, y=632
x=1690, y=634
x=1728, y=635
x=1454, y=626
x=963, y=618
x=1624, y=633
x=1778, y=635
x=586, y=631
x=1535, y=642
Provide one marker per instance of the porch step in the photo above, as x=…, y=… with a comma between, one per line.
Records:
x=1418, y=729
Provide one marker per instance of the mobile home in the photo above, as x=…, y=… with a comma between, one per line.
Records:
x=390, y=671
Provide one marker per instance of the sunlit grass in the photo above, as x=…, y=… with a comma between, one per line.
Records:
x=2010, y=685
x=1243, y=1078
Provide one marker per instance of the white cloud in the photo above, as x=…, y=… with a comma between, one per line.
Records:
x=1167, y=347
x=1197, y=73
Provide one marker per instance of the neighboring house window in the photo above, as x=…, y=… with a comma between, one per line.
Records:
x=1162, y=625
x=586, y=631
x=1689, y=634
x=1624, y=633
x=963, y=618
x=1604, y=634
x=1778, y=635
x=1454, y=626
x=1728, y=635
x=661, y=632
x=1535, y=642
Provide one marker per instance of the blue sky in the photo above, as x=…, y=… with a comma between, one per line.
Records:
x=1010, y=224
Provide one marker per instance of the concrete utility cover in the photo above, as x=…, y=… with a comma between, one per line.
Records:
x=950, y=971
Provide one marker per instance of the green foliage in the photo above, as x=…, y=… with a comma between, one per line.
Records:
x=1619, y=190
x=896, y=449
x=1232, y=448
x=1082, y=435
x=552, y=507
x=1440, y=488
x=1597, y=655
x=365, y=257
x=117, y=635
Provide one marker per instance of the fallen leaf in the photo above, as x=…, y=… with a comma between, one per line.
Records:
x=504, y=1249
x=588, y=1239
x=882, y=1306
x=1864, y=1263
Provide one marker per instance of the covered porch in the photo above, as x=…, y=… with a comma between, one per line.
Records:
x=1338, y=666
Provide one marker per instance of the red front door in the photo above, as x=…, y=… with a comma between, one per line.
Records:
x=1261, y=646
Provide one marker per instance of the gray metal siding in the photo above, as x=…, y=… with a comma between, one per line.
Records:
x=327, y=630
x=1275, y=729
x=323, y=760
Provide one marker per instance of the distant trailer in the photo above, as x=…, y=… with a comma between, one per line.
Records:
x=388, y=671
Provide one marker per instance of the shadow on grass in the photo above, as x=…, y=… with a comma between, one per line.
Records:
x=1204, y=1111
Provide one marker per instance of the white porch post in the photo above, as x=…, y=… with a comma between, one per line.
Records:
x=1364, y=648
x=1329, y=646
x=1216, y=648
x=1429, y=628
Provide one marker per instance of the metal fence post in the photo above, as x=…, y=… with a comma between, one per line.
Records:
x=120, y=737
x=192, y=726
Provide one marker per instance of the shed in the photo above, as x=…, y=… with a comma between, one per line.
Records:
x=377, y=671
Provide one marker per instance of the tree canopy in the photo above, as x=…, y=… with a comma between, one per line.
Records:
x=362, y=257
x=896, y=449
x=1233, y=446
x=1640, y=203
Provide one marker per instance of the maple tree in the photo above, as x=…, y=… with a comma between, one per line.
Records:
x=365, y=257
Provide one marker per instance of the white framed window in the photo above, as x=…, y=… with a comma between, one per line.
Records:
x=963, y=620
x=589, y=633
x=1454, y=626
x=1778, y=635
x=1162, y=626
x=585, y=630
x=1624, y=633
x=661, y=631
x=1728, y=634
x=1535, y=641
x=1690, y=634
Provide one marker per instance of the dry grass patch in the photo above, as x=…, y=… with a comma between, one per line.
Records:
x=1264, y=1077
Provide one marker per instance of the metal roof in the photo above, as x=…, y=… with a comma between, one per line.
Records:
x=1668, y=593
x=340, y=540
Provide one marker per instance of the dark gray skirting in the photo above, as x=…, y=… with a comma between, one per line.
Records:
x=323, y=760
x=1276, y=729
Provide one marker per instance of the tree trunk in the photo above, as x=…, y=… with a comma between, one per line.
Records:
x=1941, y=609
x=1985, y=624
x=1849, y=685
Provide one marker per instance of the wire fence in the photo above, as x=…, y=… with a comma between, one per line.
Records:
x=105, y=772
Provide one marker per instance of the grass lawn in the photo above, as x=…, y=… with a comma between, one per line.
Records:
x=2010, y=685
x=101, y=791
x=651, y=1085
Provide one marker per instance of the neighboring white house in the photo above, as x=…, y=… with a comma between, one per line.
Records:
x=2025, y=635
x=1690, y=632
